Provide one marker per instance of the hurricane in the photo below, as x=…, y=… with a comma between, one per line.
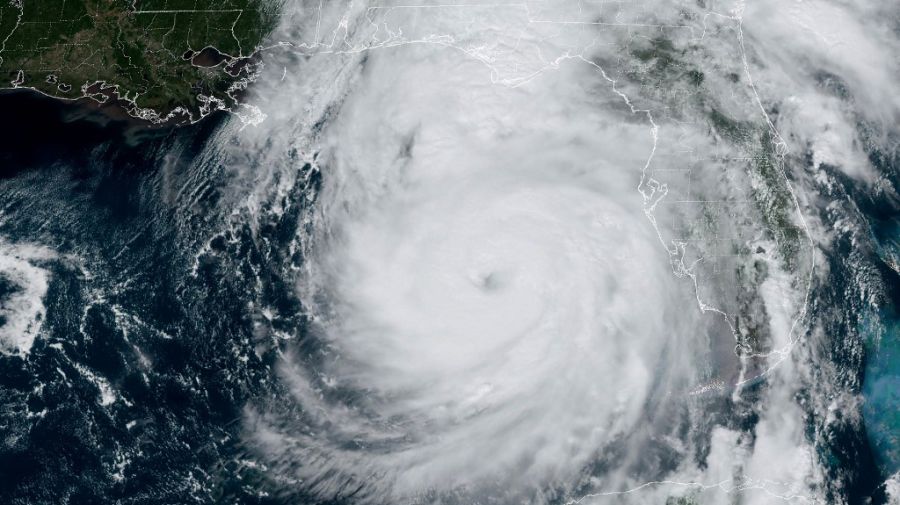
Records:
x=484, y=298
x=493, y=276
x=540, y=252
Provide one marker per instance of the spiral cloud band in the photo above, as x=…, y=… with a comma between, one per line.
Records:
x=550, y=255
x=507, y=307
x=489, y=280
x=452, y=252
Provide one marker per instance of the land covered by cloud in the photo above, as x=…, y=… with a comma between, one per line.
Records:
x=560, y=250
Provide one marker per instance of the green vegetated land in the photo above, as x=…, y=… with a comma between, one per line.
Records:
x=155, y=57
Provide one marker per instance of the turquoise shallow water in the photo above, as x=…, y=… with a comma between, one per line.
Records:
x=882, y=398
x=881, y=387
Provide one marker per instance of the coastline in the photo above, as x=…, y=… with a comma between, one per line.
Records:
x=44, y=129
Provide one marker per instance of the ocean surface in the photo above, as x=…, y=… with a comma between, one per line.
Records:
x=429, y=276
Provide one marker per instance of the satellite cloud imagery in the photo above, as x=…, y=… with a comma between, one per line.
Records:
x=450, y=252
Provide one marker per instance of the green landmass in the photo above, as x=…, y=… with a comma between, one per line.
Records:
x=162, y=60
x=664, y=67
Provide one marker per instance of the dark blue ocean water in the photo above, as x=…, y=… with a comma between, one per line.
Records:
x=156, y=286
x=126, y=209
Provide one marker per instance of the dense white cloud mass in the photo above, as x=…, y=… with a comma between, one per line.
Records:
x=501, y=295
x=824, y=62
x=23, y=284
x=554, y=255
